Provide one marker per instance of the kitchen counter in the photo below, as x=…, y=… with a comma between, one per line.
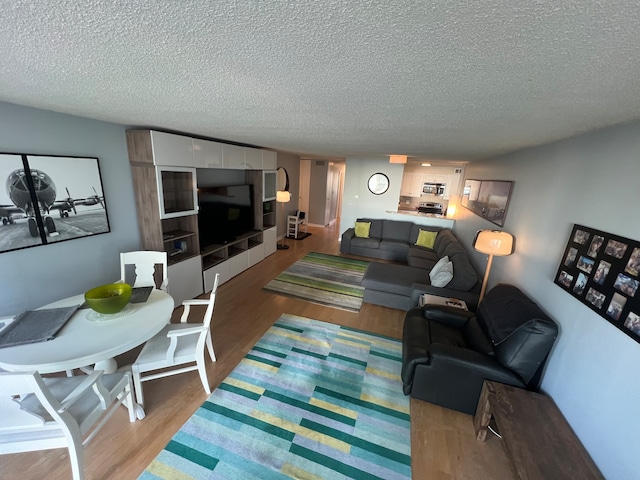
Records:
x=423, y=218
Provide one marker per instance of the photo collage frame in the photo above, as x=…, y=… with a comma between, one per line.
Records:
x=603, y=271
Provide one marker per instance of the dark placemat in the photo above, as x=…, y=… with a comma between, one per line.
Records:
x=36, y=326
x=140, y=294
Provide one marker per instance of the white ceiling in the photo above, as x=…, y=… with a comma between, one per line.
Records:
x=445, y=79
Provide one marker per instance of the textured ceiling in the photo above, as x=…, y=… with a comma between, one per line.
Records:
x=445, y=79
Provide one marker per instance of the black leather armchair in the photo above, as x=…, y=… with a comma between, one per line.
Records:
x=447, y=352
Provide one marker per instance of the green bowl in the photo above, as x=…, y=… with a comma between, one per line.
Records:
x=108, y=298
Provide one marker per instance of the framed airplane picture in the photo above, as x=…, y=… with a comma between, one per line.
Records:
x=49, y=199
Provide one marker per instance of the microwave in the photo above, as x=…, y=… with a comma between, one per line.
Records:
x=436, y=189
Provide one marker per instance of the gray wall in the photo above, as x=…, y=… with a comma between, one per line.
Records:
x=592, y=373
x=358, y=201
x=291, y=163
x=35, y=276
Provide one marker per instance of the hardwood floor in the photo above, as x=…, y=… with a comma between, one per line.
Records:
x=443, y=442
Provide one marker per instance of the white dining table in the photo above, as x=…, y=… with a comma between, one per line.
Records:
x=89, y=338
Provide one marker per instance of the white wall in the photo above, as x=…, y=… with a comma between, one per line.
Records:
x=592, y=373
x=35, y=276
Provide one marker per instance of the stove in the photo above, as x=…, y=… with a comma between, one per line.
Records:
x=430, y=207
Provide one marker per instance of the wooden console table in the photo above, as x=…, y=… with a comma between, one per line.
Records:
x=536, y=437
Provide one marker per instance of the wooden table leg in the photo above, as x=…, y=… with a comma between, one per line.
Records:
x=483, y=414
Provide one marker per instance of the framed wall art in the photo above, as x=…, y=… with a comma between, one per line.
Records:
x=602, y=270
x=487, y=198
x=49, y=199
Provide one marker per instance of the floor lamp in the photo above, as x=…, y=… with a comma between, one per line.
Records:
x=492, y=242
x=282, y=196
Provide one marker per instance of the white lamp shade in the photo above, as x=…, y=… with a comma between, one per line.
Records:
x=283, y=196
x=494, y=242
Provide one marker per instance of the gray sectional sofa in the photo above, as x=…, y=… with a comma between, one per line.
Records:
x=400, y=286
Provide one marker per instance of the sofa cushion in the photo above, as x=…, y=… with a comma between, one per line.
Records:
x=398, y=247
x=445, y=237
x=392, y=278
x=464, y=276
x=443, y=275
x=396, y=230
x=365, y=242
x=420, y=262
x=375, y=231
x=426, y=238
x=362, y=229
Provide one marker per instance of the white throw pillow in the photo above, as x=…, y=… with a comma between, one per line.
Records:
x=438, y=266
x=443, y=277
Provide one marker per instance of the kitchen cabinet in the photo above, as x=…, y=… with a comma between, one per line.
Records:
x=171, y=150
x=411, y=184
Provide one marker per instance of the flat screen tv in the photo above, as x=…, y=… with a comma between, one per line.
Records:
x=225, y=212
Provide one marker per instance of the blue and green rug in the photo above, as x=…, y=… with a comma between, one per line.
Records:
x=311, y=401
x=324, y=279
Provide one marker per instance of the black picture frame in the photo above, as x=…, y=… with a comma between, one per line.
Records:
x=49, y=199
x=602, y=270
x=488, y=199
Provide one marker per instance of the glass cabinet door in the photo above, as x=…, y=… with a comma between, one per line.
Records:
x=177, y=191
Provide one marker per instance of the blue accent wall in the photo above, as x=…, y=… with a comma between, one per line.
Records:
x=35, y=276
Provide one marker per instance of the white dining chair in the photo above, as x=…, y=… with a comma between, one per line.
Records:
x=177, y=345
x=39, y=413
x=145, y=263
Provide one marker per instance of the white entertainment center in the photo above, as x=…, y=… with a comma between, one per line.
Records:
x=166, y=168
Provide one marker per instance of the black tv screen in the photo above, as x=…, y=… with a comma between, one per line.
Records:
x=225, y=212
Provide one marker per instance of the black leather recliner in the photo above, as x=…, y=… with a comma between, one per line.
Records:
x=447, y=352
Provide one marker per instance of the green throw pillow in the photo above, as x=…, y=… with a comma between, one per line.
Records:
x=426, y=238
x=362, y=229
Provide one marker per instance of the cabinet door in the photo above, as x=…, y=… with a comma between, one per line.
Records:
x=269, y=240
x=252, y=159
x=207, y=154
x=177, y=191
x=210, y=275
x=269, y=185
x=256, y=254
x=238, y=263
x=185, y=280
x=233, y=156
x=269, y=160
x=171, y=150
x=411, y=185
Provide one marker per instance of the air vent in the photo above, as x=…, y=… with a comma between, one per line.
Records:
x=320, y=163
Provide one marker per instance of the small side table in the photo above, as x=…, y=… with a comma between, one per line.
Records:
x=537, y=439
x=428, y=299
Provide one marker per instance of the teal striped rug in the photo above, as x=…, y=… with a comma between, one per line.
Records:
x=324, y=279
x=311, y=400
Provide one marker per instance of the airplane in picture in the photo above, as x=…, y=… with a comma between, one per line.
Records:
x=45, y=191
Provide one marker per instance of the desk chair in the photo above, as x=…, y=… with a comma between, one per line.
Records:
x=145, y=263
x=43, y=413
x=294, y=222
x=177, y=345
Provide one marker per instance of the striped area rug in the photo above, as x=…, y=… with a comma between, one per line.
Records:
x=324, y=279
x=311, y=400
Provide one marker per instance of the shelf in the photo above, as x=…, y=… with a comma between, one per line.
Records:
x=179, y=257
x=176, y=235
x=211, y=261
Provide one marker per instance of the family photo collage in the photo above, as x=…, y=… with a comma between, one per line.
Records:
x=602, y=271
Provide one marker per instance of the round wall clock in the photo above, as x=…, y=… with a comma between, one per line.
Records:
x=378, y=183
